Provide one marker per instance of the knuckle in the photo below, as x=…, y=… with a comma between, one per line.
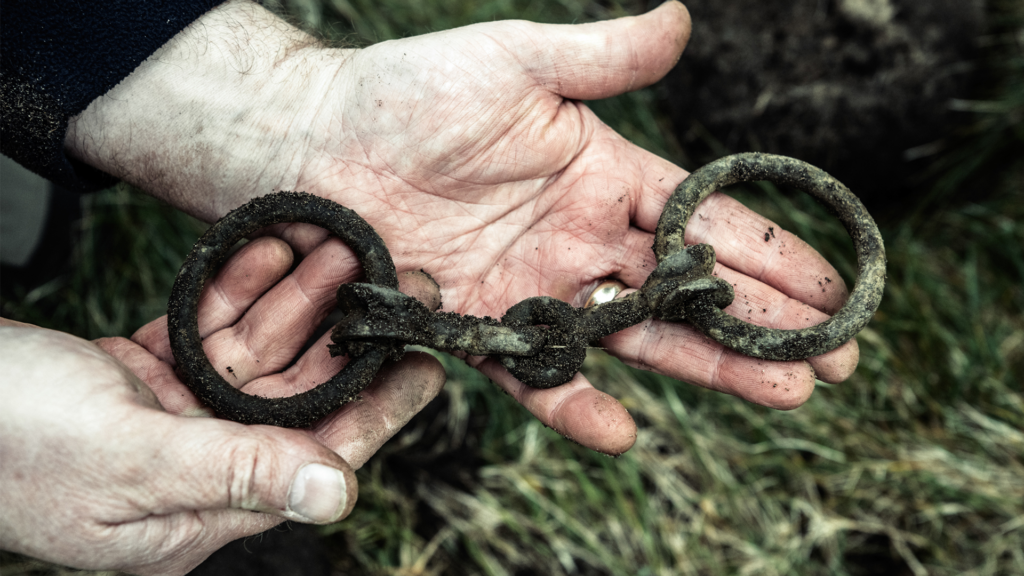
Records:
x=247, y=457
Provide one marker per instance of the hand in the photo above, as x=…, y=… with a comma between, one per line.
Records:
x=469, y=151
x=471, y=154
x=96, y=474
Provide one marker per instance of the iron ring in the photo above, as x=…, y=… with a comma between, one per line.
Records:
x=300, y=410
x=758, y=341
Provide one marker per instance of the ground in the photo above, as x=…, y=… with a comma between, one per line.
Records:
x=860, y=88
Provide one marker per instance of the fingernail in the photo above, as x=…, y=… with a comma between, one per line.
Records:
x=317, y=494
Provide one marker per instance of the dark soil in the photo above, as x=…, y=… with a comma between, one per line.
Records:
x=859, y=88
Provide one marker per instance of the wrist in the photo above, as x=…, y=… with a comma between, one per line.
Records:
x=216, y=116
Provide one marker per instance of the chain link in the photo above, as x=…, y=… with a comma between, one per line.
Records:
x=542, y=341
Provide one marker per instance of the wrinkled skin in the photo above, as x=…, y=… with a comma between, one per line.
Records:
x=470, y=153
x=510, y=187
x=110, y=464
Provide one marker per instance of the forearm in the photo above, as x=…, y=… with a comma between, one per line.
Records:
x=210, y=119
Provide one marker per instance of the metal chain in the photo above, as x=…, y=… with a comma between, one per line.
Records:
x=542, y=341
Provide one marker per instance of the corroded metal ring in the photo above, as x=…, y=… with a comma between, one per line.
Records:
x=212, y=248
x=758, y=341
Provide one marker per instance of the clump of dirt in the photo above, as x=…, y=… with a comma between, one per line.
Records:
x=860, y=88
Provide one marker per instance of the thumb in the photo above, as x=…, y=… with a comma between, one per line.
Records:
x=604, y=59
x=217, y=464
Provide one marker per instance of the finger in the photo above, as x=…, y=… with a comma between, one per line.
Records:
x=212, y=464
x=575, y=410
x=303, y=238
x=241, y=281
x=317, y=365
x=757, y=247
x=763, y=305
x=278, y=325
x=247, y=275
x=737, y=233
x=159, y=376
x=658, y=180
x=313, y=368
x=398, y=393
x=189, y=538
x=679, y=351
x=421, y=286
x=604, y=59
x=756, y=302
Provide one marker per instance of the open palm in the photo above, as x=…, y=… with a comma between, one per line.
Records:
x=471, y=154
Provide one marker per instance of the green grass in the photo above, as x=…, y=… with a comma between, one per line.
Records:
x=912, y=466
x=123, y=266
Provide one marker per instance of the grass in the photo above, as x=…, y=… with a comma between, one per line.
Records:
x=123, y=266
x=912, y=466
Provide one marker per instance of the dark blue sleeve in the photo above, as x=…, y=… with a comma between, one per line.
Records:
x=58, y=56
